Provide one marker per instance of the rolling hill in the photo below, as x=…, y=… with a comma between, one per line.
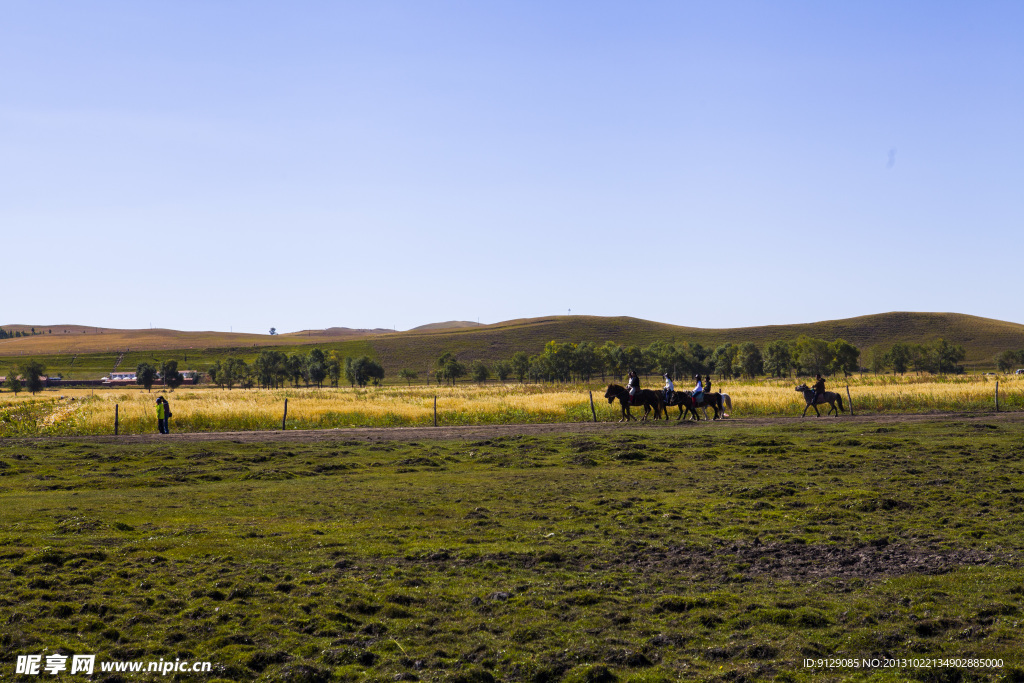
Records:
x=86, y=352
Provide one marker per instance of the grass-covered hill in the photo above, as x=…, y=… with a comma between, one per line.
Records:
x=83, y=353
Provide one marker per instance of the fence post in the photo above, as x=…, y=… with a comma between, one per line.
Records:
x=435, y=410
x=592, y=411
x=115, y=418
x=285, y=418
x=997, y=396
x=850, y=399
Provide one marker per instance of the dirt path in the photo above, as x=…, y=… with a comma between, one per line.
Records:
x=476, y=432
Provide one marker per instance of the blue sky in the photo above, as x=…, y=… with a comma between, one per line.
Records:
x=230, y=165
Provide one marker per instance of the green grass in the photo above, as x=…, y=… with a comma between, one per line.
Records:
x=646, y=555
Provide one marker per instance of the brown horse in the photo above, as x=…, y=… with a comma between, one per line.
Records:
x=829, y=397
x=644, y=397
x=707, y=400
x=683, y=399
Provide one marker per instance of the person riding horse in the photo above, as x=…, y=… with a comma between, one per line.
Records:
x=819, y=387
x=633, y=385
x=670, y=389
x=707, y=383
x=698, y=391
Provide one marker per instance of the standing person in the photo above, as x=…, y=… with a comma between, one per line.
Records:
x=161, y=416
x=167, y=415
x=633, y=385
x=669, y=389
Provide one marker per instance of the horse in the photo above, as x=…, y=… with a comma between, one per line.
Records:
x=726, y=401
x=829, y=397
x=684, y=399
x=644, y=397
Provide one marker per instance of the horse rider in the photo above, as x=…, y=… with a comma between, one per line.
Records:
x=819, y=387
x=707, y=383
x=633, y=385
x=698, y=391
x=669, y=389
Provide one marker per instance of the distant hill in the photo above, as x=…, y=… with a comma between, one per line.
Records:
x=418, y=349
x=982, y=338
x=451, y=324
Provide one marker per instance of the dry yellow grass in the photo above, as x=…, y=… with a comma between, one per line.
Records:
x=83, y=411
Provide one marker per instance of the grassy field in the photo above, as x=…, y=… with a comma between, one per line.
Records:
x=88, y=353
x=711, y=553
x=67, y=412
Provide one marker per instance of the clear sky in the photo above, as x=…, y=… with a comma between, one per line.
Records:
x=240, y=165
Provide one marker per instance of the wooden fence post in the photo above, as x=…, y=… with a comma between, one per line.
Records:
x=997, y=396
x=850, y=399
x=285, y=418
x=592, y=411
x=435, y=410
x=116, y=407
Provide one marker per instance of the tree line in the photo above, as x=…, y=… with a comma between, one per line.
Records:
x=274, y=369
x=585, y=361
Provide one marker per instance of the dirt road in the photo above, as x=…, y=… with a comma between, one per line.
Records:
x=476, y=432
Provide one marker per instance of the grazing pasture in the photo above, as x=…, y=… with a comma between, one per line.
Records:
x=713, y=552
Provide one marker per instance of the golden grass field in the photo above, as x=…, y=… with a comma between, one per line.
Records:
x=84, y=411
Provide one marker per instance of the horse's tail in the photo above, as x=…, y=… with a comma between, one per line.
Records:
x=726, y=398
x=839, y=400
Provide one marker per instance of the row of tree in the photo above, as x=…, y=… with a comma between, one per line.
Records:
x=273, y=369
x=4, y=334
x=940, y=357
x=585, y=361
x=806, y=355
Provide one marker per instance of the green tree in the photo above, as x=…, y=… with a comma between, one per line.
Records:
x=316, y=367
x=1009, y=360
x=145, y=374
x=812, y=355
x=169, y=372
x=270, y=368
x=32, y=373
x=898, y=357
x=845, y=357
x=778, y=359
x=363, y=370
x=449, y=368
x=13, y=383
x=520, y=363
x=723, y=360
x=481, y=373
x=334, y=370
x=947, y=355
x=408, y=375
x=296, y=368
x=749, y=360
x=502, y=370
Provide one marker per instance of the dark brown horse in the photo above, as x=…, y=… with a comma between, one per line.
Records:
x=683, y=399
x=829, y=397
x=707, y=400
x=644, y=397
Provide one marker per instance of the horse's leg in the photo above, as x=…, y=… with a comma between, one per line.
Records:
x=804, y=414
